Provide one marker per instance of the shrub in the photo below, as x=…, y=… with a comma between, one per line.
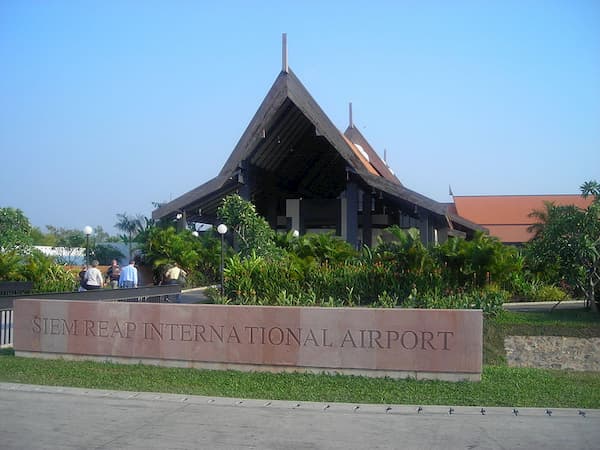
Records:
x=548, y=293
x=198, y=256
x=490, y=301
x=46, y=275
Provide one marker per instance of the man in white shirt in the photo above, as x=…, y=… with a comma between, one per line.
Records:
x=129, y=276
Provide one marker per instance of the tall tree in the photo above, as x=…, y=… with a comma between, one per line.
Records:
x=130, y=226
x=252, y=232
x=15, y=230
x=41, y=238
x=567, y=244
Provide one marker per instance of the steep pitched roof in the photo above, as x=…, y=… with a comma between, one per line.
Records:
x=289, y=106
x=288, y=86
x=507, y=216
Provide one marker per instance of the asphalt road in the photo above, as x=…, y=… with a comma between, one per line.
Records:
x=42, y=417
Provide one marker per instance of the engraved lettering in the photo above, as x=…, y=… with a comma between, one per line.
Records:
x=275, y=336
x=103, y=328
x=217, y=333
x=116, y=330
x=130, y=328
x=37, y=326
x=375, y=339
x=427, y=340
x=446, y=333
x=295, y=337
x=54, y=326
x=311, y=337
x=233, y=336
x=89, y=327
x=251, y=330
x=150, y=330
x=362, y=338
x=70, y=328
x=348, y=338
x=415, y=340
x=186, y=332
x=325, y=343
x=199, y=333
x=395, y=338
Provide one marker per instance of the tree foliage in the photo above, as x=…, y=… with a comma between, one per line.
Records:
x=199, y=256
x=106, y=253
x=131, y=227
x=15, y=230
x=566, y=247
x=252, y=233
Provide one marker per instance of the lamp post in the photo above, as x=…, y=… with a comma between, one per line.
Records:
x=222, y=229
x=87, y=230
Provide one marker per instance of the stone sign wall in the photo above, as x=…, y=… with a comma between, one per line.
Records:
x=442, y=344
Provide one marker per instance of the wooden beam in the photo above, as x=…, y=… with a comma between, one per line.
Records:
x=351, y=213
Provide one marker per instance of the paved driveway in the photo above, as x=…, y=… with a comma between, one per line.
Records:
x=36, y=417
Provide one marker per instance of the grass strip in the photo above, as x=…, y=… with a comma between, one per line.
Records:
x=500, y=386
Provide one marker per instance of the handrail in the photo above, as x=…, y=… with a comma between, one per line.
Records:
x=6, y=302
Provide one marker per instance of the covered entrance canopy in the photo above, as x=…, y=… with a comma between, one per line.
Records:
x=302, y=173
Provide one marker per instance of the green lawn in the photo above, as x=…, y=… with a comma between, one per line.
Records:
x=500, y=385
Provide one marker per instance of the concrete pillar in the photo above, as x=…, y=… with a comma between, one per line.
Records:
x=424, y=229
x=351, y=213
x=367, y=227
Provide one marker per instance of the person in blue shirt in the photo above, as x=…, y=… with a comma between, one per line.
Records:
x=129, y=276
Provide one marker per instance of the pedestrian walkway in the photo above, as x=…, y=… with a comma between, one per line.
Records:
x=544, y=306
x=195, y=295
x=35, y=417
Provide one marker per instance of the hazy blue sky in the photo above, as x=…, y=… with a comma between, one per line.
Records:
x=108, y=106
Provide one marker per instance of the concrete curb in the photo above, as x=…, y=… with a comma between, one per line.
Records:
x=543, y=306
x=342, y=408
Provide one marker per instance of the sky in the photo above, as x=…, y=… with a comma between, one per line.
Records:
x=108, y=106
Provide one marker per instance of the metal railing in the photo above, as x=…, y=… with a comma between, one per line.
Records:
x=6, y=327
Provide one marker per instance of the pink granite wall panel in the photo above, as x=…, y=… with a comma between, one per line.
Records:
x=334, y=338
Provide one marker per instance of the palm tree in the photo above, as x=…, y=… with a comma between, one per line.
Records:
x=542, y=218
x=130, y=226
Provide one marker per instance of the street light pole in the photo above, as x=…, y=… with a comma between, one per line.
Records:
x=222, y=229
x=87, y=230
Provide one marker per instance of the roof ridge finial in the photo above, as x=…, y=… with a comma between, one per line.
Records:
x=284, y=55
x=351, y=122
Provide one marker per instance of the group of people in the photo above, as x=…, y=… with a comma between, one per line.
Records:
x=127, y=277
x=91, y=278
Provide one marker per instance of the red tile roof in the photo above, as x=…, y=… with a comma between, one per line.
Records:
x=507, y=216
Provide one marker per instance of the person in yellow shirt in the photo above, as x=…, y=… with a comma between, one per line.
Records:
x=176, y=275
